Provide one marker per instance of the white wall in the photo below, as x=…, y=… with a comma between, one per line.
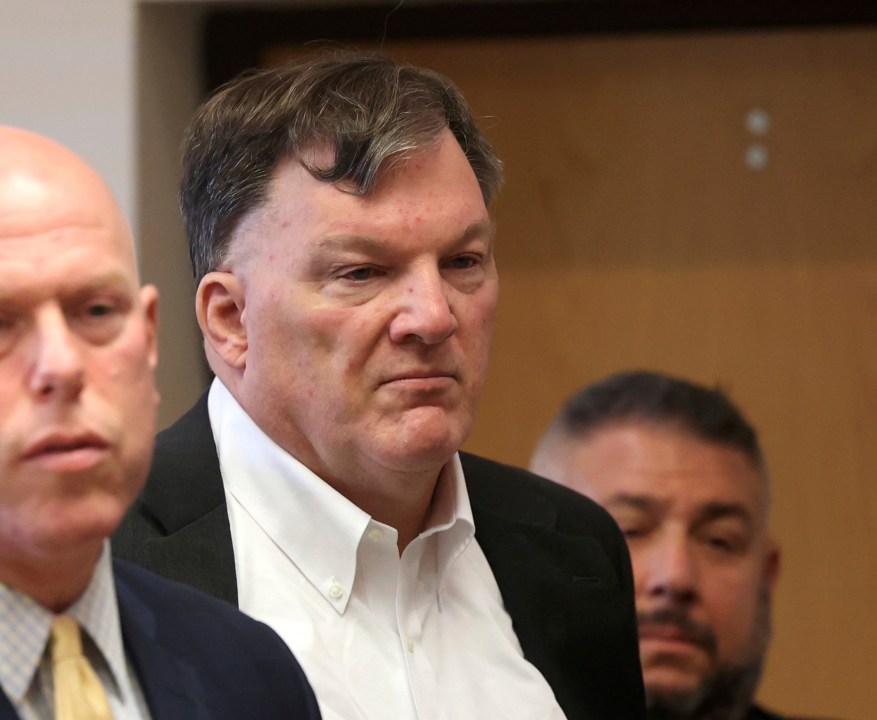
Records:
x=116, y=80
x=67, y=70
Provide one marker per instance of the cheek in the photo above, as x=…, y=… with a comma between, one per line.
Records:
x=477, y=321
x=732, y=602
x=127, y=372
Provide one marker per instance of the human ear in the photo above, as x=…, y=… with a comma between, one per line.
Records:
x=772, y=563
x=149, y=303
x=219, y=306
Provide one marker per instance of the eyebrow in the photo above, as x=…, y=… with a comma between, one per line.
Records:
x=638, y=502
x=705, y=513
x=367, y=244
x=719, y=510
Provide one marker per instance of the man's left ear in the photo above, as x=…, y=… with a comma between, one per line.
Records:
x=149, y=303
x=772, y=563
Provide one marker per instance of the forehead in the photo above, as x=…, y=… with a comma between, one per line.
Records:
x=432, y=190
x=674, y=469
x=44, y=188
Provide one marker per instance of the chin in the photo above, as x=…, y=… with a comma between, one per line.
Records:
x=427, y=439
x=671, y=682
x=88, y=522
x=417, y=455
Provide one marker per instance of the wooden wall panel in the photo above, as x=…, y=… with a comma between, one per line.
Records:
x=632, y=233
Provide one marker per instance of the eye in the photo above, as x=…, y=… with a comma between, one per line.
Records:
x=99, y=310
x=632, y=534
x=359, y=274
x=726, y=544
x=99, y=321
x=8, y=330
x=463, y=262
x=719, y=543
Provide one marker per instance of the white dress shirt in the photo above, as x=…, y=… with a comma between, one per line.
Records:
x=25, y=659
x=423, y=636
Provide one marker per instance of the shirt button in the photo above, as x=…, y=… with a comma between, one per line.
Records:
x=375, y=534
x=336, y=591
x=409, y=643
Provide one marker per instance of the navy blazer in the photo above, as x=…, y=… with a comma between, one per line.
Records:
x=561, y=563
x=201, y=659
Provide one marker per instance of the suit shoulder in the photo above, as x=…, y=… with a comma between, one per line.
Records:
x=184, y=612
x=496, y=484
x=241, y=665
x=158, y=591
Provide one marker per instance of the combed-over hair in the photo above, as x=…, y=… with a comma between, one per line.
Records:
x=371, y=111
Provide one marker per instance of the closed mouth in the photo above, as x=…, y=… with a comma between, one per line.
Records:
x=60, y=444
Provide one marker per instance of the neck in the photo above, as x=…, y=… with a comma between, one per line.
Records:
x=400, y=500
x=55, y=583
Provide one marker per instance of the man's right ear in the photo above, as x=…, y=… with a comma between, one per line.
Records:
x=219, y=305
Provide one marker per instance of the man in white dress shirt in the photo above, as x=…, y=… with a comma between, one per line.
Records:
x=77, y=416
x=344, y=255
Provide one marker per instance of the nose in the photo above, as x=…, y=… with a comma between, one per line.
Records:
x=669, y=570
x=425, y=313
x=57, y=369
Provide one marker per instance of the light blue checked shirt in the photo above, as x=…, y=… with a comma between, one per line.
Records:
x=25, y=663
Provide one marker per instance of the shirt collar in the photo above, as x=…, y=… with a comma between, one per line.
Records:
x=25, y=626
x=318, y=529
x=450, y=517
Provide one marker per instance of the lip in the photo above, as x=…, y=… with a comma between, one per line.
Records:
x=667, y=638
x=420, y=376
x=62, y=451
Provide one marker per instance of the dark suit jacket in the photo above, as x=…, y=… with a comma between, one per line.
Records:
x=560, y=561
x=757, y=713
x=200, y=659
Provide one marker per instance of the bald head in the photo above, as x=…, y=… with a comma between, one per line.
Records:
x=77, y=360
x=44, y=186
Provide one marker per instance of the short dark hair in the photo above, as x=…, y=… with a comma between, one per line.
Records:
x=370, y=110
x=660, y=399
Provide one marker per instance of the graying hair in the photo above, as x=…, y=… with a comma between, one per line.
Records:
x=371, y=111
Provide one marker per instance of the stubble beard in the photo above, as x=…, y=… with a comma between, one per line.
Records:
x=727, y=692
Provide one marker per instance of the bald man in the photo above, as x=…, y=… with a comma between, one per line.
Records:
x=681, y=471
x=77, y=415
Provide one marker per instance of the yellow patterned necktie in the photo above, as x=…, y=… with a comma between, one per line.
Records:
x=78, y=692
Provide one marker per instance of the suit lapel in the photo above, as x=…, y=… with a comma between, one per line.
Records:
x=199, y=554
x=185, y=494
x=7, y=712
x=170, y=686
x=558, y=588
x=543, y=575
